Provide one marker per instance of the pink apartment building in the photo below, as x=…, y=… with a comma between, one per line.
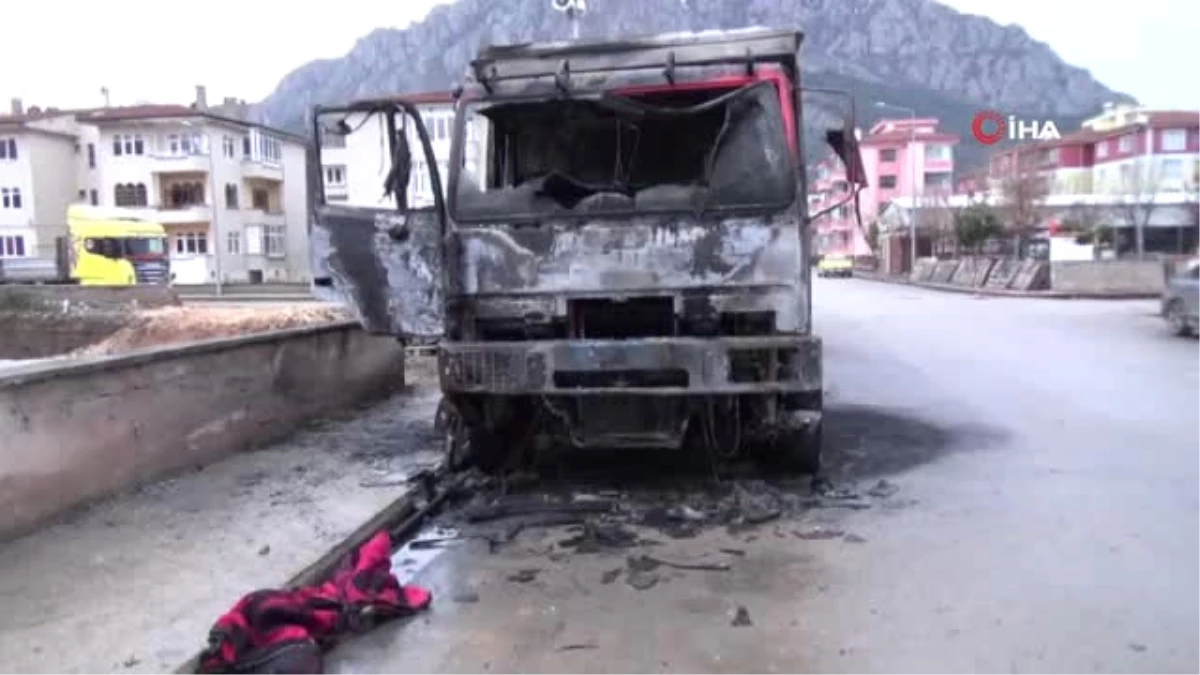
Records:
x=903, y=158
x=1125, y=153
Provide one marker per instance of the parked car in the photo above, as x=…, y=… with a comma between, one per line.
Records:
x=1181, y=299
x=835, y=266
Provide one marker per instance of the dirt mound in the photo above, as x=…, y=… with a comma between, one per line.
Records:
x=175, y=325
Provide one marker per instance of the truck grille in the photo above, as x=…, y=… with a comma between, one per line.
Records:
x=151, y=271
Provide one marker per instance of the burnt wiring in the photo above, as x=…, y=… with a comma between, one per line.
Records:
x=398, y=165
x=853, y=196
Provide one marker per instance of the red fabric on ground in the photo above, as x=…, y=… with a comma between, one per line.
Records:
x=287, y=631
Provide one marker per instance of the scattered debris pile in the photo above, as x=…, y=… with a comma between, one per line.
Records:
x=173, y=325
x=611, y=520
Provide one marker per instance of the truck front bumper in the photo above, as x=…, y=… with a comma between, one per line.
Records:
x=643, y=367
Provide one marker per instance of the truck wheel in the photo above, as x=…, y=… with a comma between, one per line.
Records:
x=1175, y=318
x=799, y=450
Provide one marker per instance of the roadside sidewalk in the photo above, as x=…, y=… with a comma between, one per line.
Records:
x=999, y=292
x=158, y=564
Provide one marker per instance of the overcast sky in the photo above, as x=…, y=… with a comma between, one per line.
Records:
x=61, y=53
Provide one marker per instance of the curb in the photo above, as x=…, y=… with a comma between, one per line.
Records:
x=1004, y=293
x=405, y=506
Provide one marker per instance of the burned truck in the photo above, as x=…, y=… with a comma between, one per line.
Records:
x=620, y=256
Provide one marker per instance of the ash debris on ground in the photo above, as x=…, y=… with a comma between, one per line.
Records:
x=606, y=520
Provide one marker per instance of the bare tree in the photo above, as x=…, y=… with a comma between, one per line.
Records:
x=1023, y=191
x=1087, y=223
x=1139, y=192
x=939, y=222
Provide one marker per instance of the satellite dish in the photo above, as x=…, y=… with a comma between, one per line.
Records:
x=569, y=6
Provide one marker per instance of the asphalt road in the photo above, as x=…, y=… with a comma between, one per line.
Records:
x=1046, y=519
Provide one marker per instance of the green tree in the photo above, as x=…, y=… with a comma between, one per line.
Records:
x=974, y=225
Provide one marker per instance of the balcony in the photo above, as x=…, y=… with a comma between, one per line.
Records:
x=170, y=215
x=939, y=165
x=253, y=216
x=182, y=215
x=179, y=163
x=253, y=168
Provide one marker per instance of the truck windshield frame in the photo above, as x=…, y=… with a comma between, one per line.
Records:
x=749, y=177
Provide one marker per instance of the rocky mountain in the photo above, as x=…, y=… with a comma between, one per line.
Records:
x=914, y=53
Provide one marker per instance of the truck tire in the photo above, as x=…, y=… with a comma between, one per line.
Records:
x=799, y=450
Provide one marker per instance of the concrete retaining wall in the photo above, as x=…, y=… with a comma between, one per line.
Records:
x=1108, y=276
x=70, y=434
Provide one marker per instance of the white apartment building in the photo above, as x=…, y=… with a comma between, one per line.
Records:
x=354, y=166
x=231, y=194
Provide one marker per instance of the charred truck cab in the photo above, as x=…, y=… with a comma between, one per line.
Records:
x=620, y=257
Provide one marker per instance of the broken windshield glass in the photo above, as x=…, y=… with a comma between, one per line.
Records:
x=684, y=149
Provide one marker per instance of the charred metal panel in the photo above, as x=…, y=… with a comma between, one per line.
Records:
x=650, y=254
x=650, y=52
x=706, y=366
x=386, y=264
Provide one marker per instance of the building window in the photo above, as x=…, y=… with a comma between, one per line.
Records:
x=937, y=153
x=94, y=197
x=8, y=148
x=1172, y=170
x=1125, y=143
x=245, y=146
x=887, y=181
x=83, y=195
x=1102, y=150
x=228, y=146
x=191, y=242
x=274, y=240
x=1174, y=140
x=129, y=194
x=91, y=155
x=183, y=195
x=233, y=242
x=180, y=145
x=12, y=246
x=887, y=155
x=231, y=196
x=335, y=175
x=332, y=139
x=260, y=200
x=128, y=144
x=10, y=198
x=441, y=128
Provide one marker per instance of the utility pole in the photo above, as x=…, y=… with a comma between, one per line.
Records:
x=912, y=178
x=574, y=9
x=215, y=207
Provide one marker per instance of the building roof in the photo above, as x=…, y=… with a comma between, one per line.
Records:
x=133, y=113
x=903, y=136
x=153, y=111
x=415, y=98
x=901, y=122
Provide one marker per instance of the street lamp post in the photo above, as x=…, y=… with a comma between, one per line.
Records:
x=912, y=178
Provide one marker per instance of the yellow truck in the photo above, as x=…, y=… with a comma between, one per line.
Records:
x=103, y=247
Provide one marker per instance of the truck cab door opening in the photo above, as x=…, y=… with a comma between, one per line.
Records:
x=385, y=257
